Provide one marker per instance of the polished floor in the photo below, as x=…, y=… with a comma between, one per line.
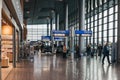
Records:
x=56, y=68
x=5, y=71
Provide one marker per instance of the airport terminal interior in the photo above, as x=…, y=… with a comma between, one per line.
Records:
x=59, y=40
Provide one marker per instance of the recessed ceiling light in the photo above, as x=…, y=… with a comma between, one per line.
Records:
x=27, y=12
x=52, y=11
x=26, y=0
x=60, y=0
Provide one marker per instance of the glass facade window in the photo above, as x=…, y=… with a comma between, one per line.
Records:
x=111, y=11
x=100, y=15
x=105, y=13
x=102, y=19
x=36, y=31
x=110, y=18
x=105, y=19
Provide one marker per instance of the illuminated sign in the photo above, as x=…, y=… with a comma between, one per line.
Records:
x=82, y=32
x=46, y=38
x=61, y=33
x=58, y=39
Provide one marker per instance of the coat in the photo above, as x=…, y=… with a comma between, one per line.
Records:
x=106, y=50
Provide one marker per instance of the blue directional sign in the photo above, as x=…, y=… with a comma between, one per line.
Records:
x=46, y=38
x=82, y=32
x=58, y=39
x=61, y=32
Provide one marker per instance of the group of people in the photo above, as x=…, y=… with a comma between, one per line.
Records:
x=65, y=51
x=101, y=50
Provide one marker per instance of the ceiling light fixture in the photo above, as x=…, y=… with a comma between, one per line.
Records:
x=52, y=11
x=60, y=0
x=26, y=0
x=27, y=12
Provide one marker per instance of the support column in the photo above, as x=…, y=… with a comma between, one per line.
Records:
x=66, y=24
x=47, y=27
x=21, y=42
x=57, y=21
x=57, y=25
x=19, y=47
x=118, y=34
x=0, y=34
x=14, y=47
x=51, y=27
x=72, y=42
x=81, y=11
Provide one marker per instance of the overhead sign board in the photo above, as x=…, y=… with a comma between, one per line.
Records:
x=61, y=33
x=58, y=39
x=83, y=32
x=46, y=38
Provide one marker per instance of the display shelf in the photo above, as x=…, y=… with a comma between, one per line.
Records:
x=5, y=62
x=7, y=46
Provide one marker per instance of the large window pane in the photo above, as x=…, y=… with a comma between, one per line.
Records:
x=92, y=18
x=95, y=17
x=95, y=29
x=104, y=40
x=115, y=32
x=95, y=35
x=36, y=31
x=105, y=34
x=116, y=8
x=100, y=15
x=111, y=32
x=111, y=25
x=100, y=41
x=95, y=23
x=100, y=27
x=111, y=39
x=105, y=19
x=105, y=27
x=100, y=34
x=111, y=10
x=116, y=24
x=100, y=21
x=105, y=13
x=116, y=16
x=110, y=18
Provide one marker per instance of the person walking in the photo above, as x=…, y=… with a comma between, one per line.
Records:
x=77, y=51
x=64, y=51
x=106, y=53
x=88, y=50
x=100, y=50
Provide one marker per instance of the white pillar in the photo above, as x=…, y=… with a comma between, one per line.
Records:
x=57, y=26
x=66, y=24
x=81, y=22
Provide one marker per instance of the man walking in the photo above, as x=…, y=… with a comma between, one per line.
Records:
x=106, y=53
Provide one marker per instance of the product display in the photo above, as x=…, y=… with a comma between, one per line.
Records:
x=7, y=47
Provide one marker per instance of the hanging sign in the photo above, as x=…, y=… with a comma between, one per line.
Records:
x=83, y=32
x=62, y=33
x=46, y=38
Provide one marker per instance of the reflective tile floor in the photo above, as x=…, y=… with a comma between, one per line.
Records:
x=56, y=68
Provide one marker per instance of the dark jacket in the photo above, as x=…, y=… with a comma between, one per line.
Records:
x=88, y=49
x=106, y=50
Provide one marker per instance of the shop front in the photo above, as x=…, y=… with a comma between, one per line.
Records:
x=9, y=35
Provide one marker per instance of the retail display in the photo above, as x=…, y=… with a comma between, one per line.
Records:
x=7, y=47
